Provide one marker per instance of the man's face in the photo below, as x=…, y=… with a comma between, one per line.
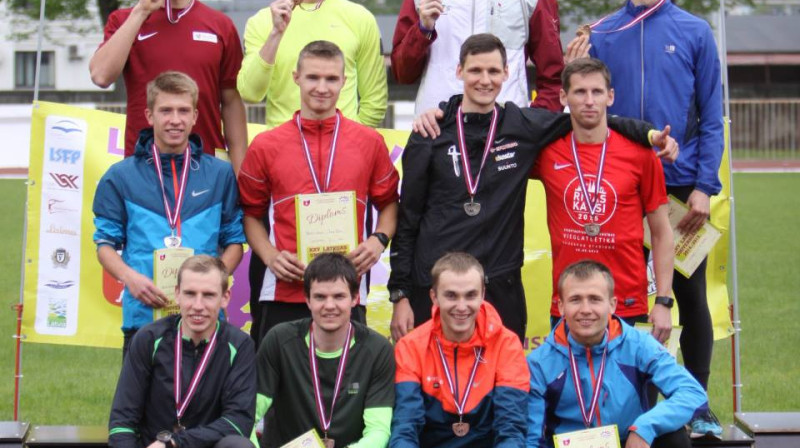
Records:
x=173, y=116
x=586, y=306
x=588, y=99
x=200, y=297
x=483, y=75
x=331, y=303
x=459, y=297
x=320, y=81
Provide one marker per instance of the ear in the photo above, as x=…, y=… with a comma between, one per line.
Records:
x=459, y=72
x=561, y=302
x=505, y=73
x=356, y=299
x=610, y=97
x=194, y=117
x=562, y=95
x=148, y=114
x=613, y=304
x=226, y=299
x=296, y=77
x=432, y=293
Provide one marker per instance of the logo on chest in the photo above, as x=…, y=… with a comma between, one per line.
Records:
x=598, y=208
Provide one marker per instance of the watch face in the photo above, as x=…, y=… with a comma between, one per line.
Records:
x=164, y=436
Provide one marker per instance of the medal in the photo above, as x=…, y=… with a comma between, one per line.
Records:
x=173, y=216
x=178, y=427
x=591, y=228
x=182, y=404
x=645, y=14
x=472, y=208
x=334, y=139
x=312, y=358
x=588, y=417
x=460, y=428
x=184, y=11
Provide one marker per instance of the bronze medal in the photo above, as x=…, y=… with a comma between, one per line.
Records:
x=178, y=428
x=329, y=443
x=460, y=429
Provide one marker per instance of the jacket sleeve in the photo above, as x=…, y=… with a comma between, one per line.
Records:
x=110, y=215
x=413, y=199
x=373, y=93
x=684, y=395
x=536, y=404
x=410, y=46
x=542, y=126
x=231, y=230
x=255, y=75
x=128, y=407
x=409, y=409
x=632, y=129
x=708, y=94
x=544, y=49
x=254, y=184
x=237, y=401
x=510, y=397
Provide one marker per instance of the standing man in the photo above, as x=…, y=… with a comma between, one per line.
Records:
x=598, y=186
x=429, y=33
x=274, y=37
x=185, y=35
x=461, y=376
x=317, y=151
x=169, y=195
x=593, y=356
x=667, y=61
x=189, y=380
x=327, y=372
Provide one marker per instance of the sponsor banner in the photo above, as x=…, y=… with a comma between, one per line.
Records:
x=69, y=299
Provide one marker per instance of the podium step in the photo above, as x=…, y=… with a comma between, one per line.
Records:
x=68, y=436
x=771, y=429
x=12, y=434
x=732, y=437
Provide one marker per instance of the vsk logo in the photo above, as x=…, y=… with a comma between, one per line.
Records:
x=60, y=258
x=68, y=181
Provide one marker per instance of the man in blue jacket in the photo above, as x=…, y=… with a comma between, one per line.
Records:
x=169, y=196
x=593, y=371
x=664, y=63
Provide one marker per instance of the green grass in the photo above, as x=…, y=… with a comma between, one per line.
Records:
x=74, y=385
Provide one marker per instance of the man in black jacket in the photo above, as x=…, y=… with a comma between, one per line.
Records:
x=211, y=403
x=465, y=189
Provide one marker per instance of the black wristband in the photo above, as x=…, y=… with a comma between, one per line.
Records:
x=383, y=238
x=667, y=301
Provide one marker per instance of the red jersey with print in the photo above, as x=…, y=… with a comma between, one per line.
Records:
x=275, y=170
x=632, y=184
x=204, y=44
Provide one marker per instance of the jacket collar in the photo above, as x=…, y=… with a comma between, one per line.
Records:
x=312, y=127
x=488, y=327
x=560, y=336
x=634, y=10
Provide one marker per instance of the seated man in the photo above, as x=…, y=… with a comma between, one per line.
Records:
x=215, y=392
x=461, y=376
x=604, y=350
x=327, y=372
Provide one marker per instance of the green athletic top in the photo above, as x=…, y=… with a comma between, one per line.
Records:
x=350, y=26
x=363, y=413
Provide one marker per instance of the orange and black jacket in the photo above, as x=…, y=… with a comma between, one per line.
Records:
x=425, y=410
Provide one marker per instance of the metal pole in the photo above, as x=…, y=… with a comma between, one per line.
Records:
x=736, y=352
x=36, y=75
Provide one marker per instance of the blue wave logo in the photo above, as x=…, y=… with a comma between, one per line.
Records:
x=66, y=126
x=60, y=285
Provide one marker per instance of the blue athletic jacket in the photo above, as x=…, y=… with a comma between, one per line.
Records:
x=129, y=212
x=633, y=360
x=666, y=70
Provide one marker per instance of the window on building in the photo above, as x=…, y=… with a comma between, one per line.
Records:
x=25, y=69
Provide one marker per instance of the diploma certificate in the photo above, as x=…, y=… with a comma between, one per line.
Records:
x=326, y=222
x=308, y=439
x=672, y=343
x=602, y=437
x=166, y=263
x=690, y=248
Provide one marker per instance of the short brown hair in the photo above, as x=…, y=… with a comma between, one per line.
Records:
x=479, y=44
x=203, y=264
x=583, y=270
x=322, y=49
x=173, y=82
x=583, y=67
x=329, y=267
x=459, y=262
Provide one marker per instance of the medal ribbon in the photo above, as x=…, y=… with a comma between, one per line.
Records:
x=459, y=406
x=599, y=178
x=472, y=187
x=180, y=406
x=573, y=365
x=172, y=19
x=312, y=358
x=643, y=15
x=334, y=139
x=173, y=216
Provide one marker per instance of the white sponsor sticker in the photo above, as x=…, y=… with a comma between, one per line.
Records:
x=203, y=36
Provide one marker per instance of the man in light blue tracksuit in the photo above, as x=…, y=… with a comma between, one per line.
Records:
x=613, y=363
x=665, y=70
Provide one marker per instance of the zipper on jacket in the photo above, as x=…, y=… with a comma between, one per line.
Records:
x=455, y=370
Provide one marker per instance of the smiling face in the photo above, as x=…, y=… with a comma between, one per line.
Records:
x=483, y=75
x=320, y=81
x=172, y=117
x=331, y=304
x=459, y=296
x=588, y=99
x=200, y=298
x=586, y=305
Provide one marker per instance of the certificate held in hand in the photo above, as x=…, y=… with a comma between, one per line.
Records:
x=601, y=437
x=326, y=222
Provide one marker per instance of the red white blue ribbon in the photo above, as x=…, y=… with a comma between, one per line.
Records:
x=307, y=152
x=173, y=215
x=643, y=15
x=599, y=179
x=181, y=405
x=588, y=417
x=172, y=19
x=460, y=405
x=472, y=187
x=312, y=358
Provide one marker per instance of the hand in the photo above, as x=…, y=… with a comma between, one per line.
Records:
x=402, y=319
x=286, y=266
x=429, y=11
x=143, y=289
x=157, y=444
x=661, y=318
x=699, y=210
x=426, y=123
x=148, y=6
x=281, y=14
x=366, y=254
x=636, y=441
x=669, y=147
x=577, y=48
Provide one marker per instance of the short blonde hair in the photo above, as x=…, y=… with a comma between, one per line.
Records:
x=458, y=262
x=171, y=82
x=203, y=264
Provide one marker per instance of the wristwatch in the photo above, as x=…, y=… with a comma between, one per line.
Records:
x=667, y=301
x=397, y=295
x=382, y=237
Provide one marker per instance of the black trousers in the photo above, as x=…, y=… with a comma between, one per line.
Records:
x=504, y=292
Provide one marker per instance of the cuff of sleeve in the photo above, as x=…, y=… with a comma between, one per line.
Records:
x=645, y=433
x=650, y=136
x=707, y=189
x=429, y=34
x=265, y=65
